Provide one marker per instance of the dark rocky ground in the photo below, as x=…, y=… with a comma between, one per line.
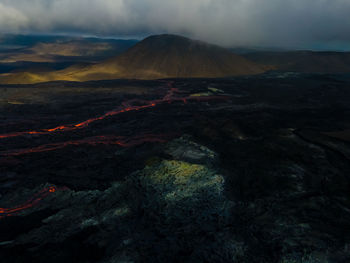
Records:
x=241, y=170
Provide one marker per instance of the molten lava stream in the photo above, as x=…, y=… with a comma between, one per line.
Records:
x=80, y=125
x=93, y=141
x=104, y=140
x=35, y=200
x=107, y=140
x=71, y=127
x=168, y=98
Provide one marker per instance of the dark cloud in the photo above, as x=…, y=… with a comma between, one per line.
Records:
x=228, y=22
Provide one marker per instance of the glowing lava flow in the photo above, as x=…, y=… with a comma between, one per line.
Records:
x=104, y=140
x=128, y=107
x=93, y=141
x=98, y=140
x=80, y=125
x=5, y=212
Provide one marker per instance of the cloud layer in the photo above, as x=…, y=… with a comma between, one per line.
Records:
x=228, y=22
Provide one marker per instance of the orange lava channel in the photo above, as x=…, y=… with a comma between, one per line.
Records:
x=93, y=141
x=168, y=98
x=5, y=212
x=80, y=125
x=97, y=140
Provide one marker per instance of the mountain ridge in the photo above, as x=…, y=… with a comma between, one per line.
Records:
x=304, y=61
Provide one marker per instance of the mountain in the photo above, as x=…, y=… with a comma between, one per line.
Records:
x=304, y=61
x=161, y=56
x=170, y=56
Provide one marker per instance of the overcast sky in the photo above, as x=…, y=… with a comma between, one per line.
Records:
x=285, y=23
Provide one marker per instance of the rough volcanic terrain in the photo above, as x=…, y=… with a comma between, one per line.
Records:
x=246, y=169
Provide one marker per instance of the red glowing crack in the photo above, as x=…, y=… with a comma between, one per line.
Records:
x=127, y=107
x=98, y=140
x=35, y=200
x=92, y=141
x=104, y=140
x=77, y=126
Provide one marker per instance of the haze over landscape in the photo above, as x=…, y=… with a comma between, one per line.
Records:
x=272, y=23
x=174, y=131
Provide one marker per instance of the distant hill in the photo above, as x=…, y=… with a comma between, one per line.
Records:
x=20, y=41
x=61, y=49
x=8, y=41
x=170, y=56
x=304, y=61
x=161, y=56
